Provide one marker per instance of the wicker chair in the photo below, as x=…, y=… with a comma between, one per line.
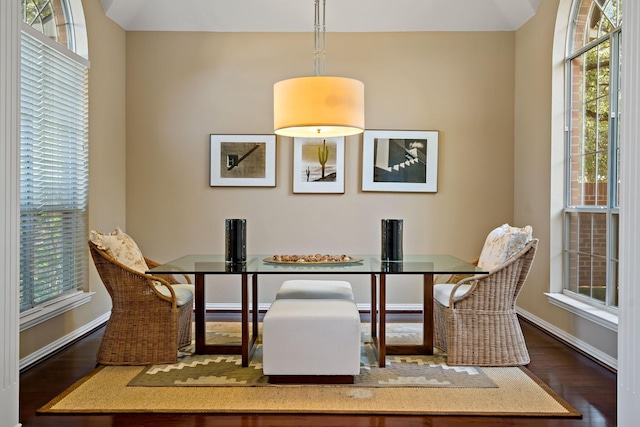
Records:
x=145, y=327
x=479, y=325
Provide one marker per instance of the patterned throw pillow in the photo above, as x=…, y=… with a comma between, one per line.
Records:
x=502, y=243
x=122, y=247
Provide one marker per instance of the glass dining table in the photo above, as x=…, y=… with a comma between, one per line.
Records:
x=425, y=266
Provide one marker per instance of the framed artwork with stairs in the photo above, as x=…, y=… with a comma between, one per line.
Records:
x=396, y=160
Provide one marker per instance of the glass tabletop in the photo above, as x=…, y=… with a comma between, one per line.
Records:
x=360, y=264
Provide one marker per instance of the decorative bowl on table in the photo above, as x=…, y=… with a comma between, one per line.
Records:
x=312, y=259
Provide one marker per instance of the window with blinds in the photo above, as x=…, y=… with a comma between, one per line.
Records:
x=53, y=170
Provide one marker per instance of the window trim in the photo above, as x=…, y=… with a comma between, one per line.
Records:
x=584, y=309
x=53, y=308
x=561, y=293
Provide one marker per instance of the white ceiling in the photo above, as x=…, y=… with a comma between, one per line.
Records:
x=341, y=15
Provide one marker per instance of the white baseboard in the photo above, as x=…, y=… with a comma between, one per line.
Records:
x=44, y=352
x=265, y=306
x=570, y=339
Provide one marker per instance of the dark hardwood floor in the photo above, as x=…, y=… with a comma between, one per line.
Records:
x=586, y=385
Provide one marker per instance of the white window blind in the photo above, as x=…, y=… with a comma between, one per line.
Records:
x=53, y=171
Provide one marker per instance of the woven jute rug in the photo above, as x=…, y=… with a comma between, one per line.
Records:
x=412, y=385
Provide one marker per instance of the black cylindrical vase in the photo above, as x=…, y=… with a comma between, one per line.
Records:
x=391, y=240
x=236, y=240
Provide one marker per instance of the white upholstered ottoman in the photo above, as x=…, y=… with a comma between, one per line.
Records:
x=321, y=289
x=311, y=340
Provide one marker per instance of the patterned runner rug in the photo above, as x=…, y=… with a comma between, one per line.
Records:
x=226, y=370
x=408, y=385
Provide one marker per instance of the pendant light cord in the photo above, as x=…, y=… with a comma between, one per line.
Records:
x=319, y=48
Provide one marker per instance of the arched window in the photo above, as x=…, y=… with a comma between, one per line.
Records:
x=591, y=208
x=53, y=155
x=50, y=17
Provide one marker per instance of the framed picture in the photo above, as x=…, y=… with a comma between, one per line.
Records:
x=243, y=161
x=400, y=161
x=318, y=165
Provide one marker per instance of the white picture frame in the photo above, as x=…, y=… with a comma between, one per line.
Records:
x=318, y=165
x=243, y=161
x=400, y=161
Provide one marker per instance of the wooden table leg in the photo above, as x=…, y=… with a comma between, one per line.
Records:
x=200, y=313
x=247, y=346
x=426, y=347
x=374, y=306
x=427, y=312
x=256, y=313
x=382, y=339
x=245, y=320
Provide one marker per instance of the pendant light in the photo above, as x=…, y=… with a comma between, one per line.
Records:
x=318, y=105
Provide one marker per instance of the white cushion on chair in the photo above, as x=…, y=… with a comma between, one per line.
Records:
x=183, y=296
x=188, y=287
x=315, y=289
x=442, y=292
x=502, y=243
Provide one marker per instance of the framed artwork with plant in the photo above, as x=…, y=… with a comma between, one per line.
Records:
x=318, y=165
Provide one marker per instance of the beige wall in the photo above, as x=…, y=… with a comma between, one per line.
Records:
x=182, y=87
x=488, y=94
x=538, y=147
x=106, y=166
